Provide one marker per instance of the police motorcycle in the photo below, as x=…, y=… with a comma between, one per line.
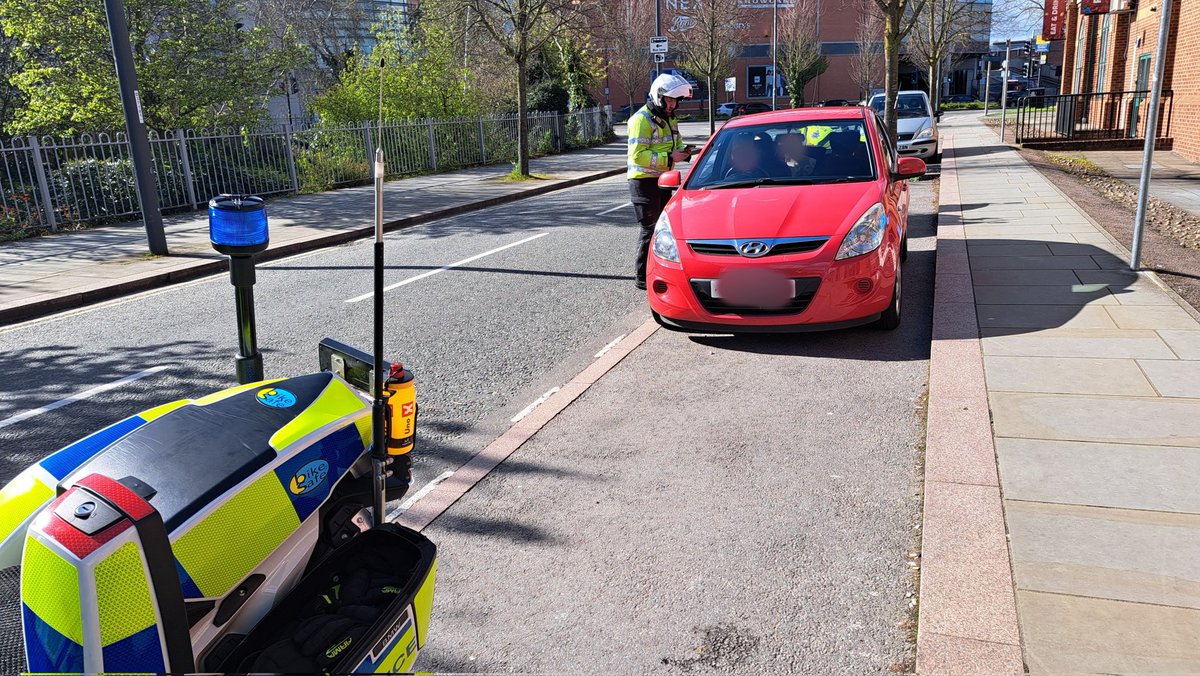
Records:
x=242, y=531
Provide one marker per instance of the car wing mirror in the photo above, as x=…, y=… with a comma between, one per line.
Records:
x=672, y=179
x=909, y=167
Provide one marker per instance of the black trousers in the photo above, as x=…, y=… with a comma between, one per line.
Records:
x=648, y=202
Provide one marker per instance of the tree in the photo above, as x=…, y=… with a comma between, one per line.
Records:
x=866, y=64
x=898, y=17
x=196, y=66
x=941, y=28
x=519, y=29
x=577, y=66
x=800, y=58
x=330, y=29
x=628, y=40
x=709, y=48
x=422, y=77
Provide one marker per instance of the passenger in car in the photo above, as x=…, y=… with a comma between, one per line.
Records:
x=793, y=151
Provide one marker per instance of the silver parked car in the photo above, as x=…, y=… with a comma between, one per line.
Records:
x=916, y=125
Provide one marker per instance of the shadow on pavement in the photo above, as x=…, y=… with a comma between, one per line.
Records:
x=502, y=528
x=1019, y=286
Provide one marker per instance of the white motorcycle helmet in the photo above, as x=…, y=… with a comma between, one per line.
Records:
x=669, y=85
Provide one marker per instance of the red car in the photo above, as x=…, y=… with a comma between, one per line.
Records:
x=793, y=220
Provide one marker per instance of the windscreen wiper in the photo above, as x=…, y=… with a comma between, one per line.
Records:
x=748, y=183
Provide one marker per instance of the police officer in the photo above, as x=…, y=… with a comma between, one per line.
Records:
x=654, y=147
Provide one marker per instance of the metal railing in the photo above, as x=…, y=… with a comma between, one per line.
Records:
x=49, y=182
x=1095, y=116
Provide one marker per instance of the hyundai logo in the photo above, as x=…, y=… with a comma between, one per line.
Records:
x=754, y=249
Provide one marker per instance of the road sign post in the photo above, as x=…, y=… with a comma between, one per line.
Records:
x=658, y=45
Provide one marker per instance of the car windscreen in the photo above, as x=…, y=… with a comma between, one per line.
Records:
x=809, y=152
x=907, y=105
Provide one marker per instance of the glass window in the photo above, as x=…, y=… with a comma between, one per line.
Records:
x=1102, y=69
x=759, y=83
x=907, y=105
x=799, y=153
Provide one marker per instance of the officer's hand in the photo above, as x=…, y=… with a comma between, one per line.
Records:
x=681, y=156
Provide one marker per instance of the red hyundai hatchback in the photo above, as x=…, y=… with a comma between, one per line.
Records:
x=792, y=220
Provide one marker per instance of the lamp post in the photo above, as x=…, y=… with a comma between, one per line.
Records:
x=657, y=33
x=135, y=127
x=1156, y=86
x=237, y=227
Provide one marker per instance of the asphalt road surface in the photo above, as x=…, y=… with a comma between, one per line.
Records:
x=769, y=535
x=714, y=504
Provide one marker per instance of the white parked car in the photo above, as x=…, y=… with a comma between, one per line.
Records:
x=726, y=108
x=916, y=125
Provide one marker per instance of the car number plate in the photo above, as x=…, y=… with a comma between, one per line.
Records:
x=754, y=288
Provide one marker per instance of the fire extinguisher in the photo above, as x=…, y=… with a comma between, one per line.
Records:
x=402, y=410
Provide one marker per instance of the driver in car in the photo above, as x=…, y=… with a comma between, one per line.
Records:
x=745, y=160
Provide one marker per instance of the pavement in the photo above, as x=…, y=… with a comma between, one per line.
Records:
x=1090, y=375
x=1176, y=179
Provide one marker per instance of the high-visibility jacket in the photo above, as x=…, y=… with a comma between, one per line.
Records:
x=651, y=141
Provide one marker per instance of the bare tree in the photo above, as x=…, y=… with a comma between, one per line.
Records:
x=898, y=17
x=332, y=29
x=867, y=62
x=520, y=28
x=628, y=39
x=709, y=48
x=942, y=27
x=1011, y=18
x=800, y=58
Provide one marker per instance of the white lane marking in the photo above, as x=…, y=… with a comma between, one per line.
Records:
x=610, y=346
x=536, y=402
x=99, y=389
x=605, y=213
x=444, y=268
x=415, y=497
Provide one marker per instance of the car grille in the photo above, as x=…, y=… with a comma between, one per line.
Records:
x=779, y=247
x=904, y=137
x=806, y=288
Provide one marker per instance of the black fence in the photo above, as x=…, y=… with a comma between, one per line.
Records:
x=1096, y=116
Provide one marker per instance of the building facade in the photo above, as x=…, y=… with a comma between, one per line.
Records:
x=1115, y=52
x=837, y=27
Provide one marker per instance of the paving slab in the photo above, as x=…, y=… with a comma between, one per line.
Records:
x=1124, y=476
x=1165, y=422
x=1067, y=375
x=1071, y=634
x=1174, y=378
x=1062, y=278
x=1151, y=317
x=1043, y=295
x=1044, y=317
x=1185, y=344
x=983, y=261
x=1126, y=555
x=1077, y=342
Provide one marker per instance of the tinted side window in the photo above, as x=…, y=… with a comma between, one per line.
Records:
x=888, y=146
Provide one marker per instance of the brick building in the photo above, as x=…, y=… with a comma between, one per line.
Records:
x=837, y=30
x=1114, y=52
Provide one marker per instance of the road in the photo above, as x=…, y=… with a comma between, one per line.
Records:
x=592, y=549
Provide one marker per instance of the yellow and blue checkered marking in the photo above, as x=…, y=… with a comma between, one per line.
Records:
x=50, y=609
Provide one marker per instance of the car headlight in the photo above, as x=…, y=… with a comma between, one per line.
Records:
x=866, y=235
x=664, y=240
x=927, y=132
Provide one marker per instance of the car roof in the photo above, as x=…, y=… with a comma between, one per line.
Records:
x=798, y=115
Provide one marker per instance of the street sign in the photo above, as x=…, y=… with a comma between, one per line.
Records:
x=731, y=84
x=658, y=45
x=1042, y=48
x=660, y=58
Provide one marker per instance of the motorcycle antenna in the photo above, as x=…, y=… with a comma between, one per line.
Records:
x=379, y=456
